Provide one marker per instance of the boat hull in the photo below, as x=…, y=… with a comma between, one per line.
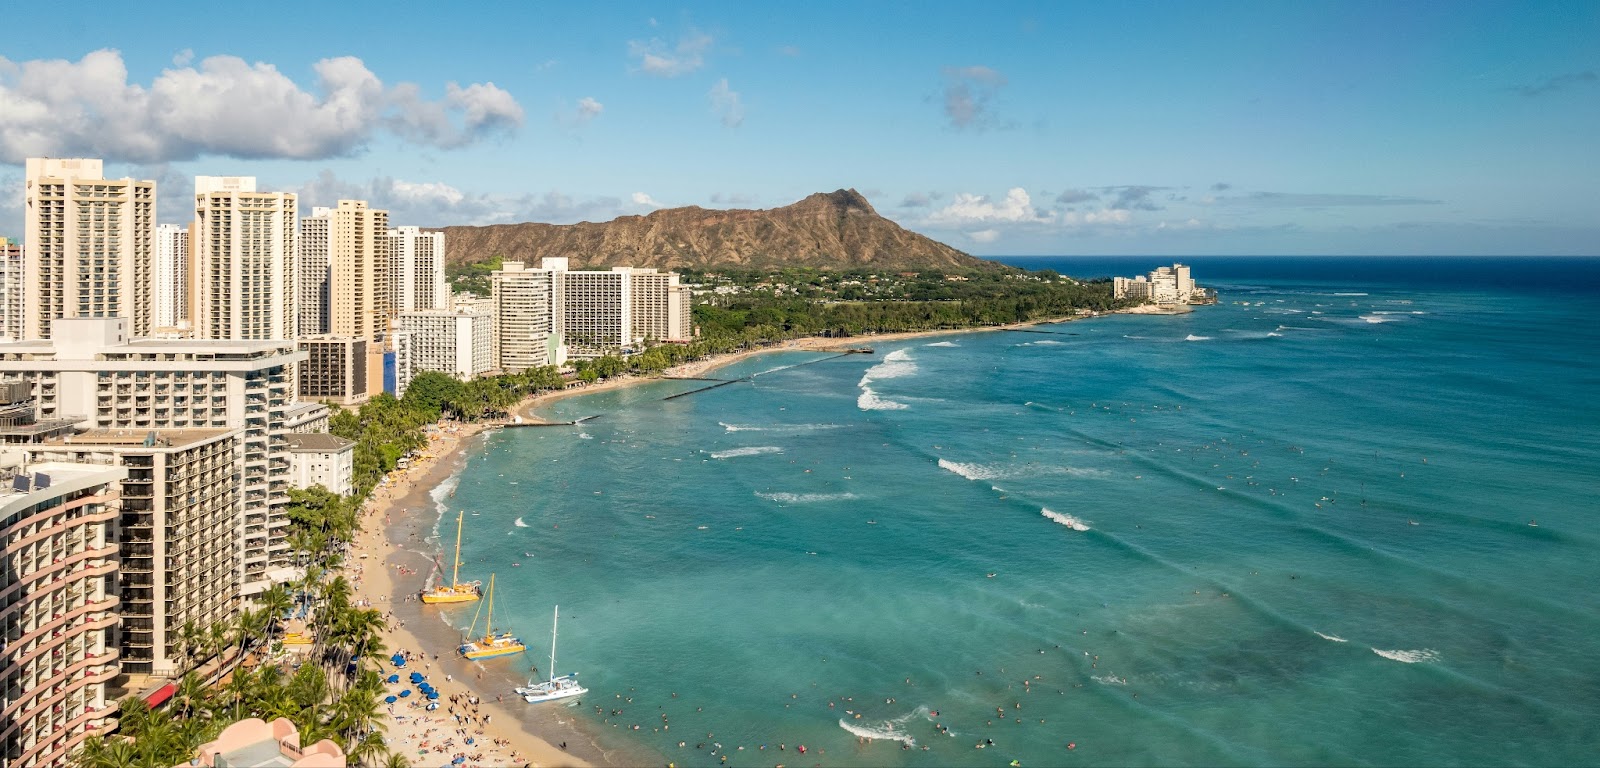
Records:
x=474, y=652
x=433, y=598
x=566, y=693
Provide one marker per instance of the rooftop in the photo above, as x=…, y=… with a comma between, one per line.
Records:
x=319, y=442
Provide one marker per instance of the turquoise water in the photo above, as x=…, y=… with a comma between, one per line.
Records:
x=1305, y=539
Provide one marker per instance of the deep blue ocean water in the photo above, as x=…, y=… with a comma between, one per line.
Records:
x=1345, y=516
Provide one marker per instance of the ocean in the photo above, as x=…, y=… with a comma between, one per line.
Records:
x=1345, y=516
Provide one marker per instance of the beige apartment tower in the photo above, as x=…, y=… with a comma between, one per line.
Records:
x=524, y=310
x=171, y=290
x=242, y=260
x=358, y=282
x=89, y=245
x=10, y=289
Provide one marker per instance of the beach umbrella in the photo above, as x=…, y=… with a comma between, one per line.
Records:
x=394, y=678
x=405, y=693
x=398, y=660
x=433, y=695
x=390, y=699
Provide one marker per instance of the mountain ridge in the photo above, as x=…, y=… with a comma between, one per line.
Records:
x=826, y=230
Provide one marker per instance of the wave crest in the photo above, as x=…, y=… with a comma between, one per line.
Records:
x=1409, y=657
x=751, y=451
x=1067, y=520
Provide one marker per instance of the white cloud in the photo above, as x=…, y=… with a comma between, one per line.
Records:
x=968, y=209
x=589, y=109
x=183, y=57
x=640, y=198
x=725, y=102
x=438, y=204
x=229, y=107
x=657, y=57
x=1108, y=216
x=984, y=235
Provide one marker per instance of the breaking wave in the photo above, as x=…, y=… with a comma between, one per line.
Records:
x=893, y=729
x=1409, y=657
x=520, y=524
x=1380, y=318
x=777, y=427
x=1334, y=638
x=1192, y=337
x=1001, y=471
x=752, y=451
x=942, y=344
x=895, y=365
x=1067, y=520
x=805, y=498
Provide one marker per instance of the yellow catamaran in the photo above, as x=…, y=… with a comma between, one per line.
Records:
x=455, y=591
x=490, y=646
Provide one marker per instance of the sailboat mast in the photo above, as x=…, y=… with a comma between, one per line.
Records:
x=553, y=621
x=488, y=627
x=455, y=570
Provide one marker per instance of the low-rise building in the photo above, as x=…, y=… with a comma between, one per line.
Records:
x=322, y=459
x=335, y=369
x=58, y=608
x=257, y=743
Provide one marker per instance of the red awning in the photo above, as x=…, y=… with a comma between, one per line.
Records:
x=160, y=695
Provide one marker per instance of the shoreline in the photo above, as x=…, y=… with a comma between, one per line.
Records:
x=523, y=412
x=393, y=561
x=398, y=532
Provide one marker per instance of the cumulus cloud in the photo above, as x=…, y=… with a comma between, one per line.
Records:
x=183, y=57
x=1558, y=83
x=968, y=94
x=640, y=198
x=984, y=235
x=589, y=109
x=437, y=204
x=726, y=104
x=1073, y=196
x=969, y=209
x=662, y=59
x=229, y=107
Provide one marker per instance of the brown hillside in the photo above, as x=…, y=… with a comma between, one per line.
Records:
x=830, y=231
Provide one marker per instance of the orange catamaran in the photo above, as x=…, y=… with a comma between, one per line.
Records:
x=455, y=591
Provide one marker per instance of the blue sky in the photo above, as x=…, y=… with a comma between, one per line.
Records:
x=1000, y=128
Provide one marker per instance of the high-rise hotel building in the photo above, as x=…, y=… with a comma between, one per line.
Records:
x=416, y=270
x=313, y=279
x=358, y=308
x=661, y=308
x=524, y=304
x=58, y=610
x=89, y=245
x=10, y=289
x=94, y=376
x=243, y=260
x=171, y=290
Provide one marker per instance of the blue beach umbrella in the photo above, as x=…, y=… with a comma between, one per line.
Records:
x=433, y=695
x=390, y=699
x=405, y=693
x=398, y=660
x=394, y=678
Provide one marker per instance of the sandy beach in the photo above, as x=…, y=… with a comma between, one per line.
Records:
x=394, y=557
x=389, y=564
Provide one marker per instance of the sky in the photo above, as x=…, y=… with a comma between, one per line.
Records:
x=1003, y=128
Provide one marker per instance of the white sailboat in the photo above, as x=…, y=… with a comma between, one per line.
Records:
x=561, y=687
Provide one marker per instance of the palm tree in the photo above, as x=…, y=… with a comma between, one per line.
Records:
x=190, y=698
x=367, y=749
x=396, y=760
x=190, y=641
x=276, y=601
